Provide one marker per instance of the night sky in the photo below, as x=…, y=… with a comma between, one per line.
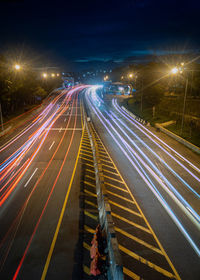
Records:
x=80, y=33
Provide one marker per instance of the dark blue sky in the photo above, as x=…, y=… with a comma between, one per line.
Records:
x=75, y=32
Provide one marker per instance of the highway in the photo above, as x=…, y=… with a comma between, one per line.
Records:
x=37, y=171
x=162, y=175
x=152, y=184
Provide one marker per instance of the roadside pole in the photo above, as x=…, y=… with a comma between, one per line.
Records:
x=184, y=102
x=1, y=117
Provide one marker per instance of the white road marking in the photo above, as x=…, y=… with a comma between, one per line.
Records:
x=51, y=145
x=65, y=119
x=194, y=168
x=60, y=129
x=30, y=177
x=63, y=129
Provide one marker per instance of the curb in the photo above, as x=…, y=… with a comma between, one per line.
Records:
x=178, y=138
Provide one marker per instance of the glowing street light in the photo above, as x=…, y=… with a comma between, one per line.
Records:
x=44, y=75
x=53, y=75
x=130, y=75
x=58, y=75
x=17, y=67
x=105, y=78
x=174, y=70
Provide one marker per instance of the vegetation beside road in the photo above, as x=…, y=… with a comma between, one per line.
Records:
x=22, y=89
x=159, y=97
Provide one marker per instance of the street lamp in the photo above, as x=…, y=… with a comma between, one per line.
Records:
x=174, y=70
x=130, y=75
x=53, y=75
x=17, y=67
x=58, y=75
x=44, y=75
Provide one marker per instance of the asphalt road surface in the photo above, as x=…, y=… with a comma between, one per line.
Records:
x=37, y=171
x=162, y=175
x=153, y=185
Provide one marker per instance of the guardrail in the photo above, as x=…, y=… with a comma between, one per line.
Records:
x=166, y=131
x=115, y=270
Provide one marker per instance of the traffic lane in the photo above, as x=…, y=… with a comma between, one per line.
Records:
x=28, y=155
x=26, y=130
x=168, y=141
x=186, y=185
x=62, y=260
x=44, y=154
x=19, y=196
x=44, y=189
x=63, y=179
x=18, y=140
x=177, y=248
x=136, y=161
x=182, y=165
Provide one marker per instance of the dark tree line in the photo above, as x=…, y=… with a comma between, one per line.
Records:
x=20, y=89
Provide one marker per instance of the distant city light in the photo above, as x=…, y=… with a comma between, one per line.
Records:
x=58, y=75
x=44, y=75
x=130, y=75
x=52, y=75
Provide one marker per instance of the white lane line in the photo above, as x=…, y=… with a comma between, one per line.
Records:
x=51, y=145
x=60, y=129
x=65, y=119
x=30, y=177
x=179, y=157
x=194, y=167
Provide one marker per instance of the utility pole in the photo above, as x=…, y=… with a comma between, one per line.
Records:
x=1, y=117
x=184, y=102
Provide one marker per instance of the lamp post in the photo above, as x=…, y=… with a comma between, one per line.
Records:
x=175, y=71
x=184, y=103
x=1, y=118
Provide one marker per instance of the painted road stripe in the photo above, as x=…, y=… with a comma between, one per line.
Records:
x=86, y=270
x=90, y=215
x=146, y=221
x=89, y=184
x=89, y=170
x=117, y=195
x=87, y=159
x=60, y=219
x=90, y=203
x=131, y=274
x=114, y=173
x=194, y=168
x=84, y=154
x=88, y=176
x=146, y=262
x=140, y=241
x=89, y=229
x=119, y=181
x=51, y=145
x=108, y=166
x=65, y=119
x=90, y=193
x=31, y=177
x=125, y=208
x=60, y=129
x=116, y=187
x=86, y=246
x=130, y=222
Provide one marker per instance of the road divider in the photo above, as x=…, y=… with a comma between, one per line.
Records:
x=115, y=270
